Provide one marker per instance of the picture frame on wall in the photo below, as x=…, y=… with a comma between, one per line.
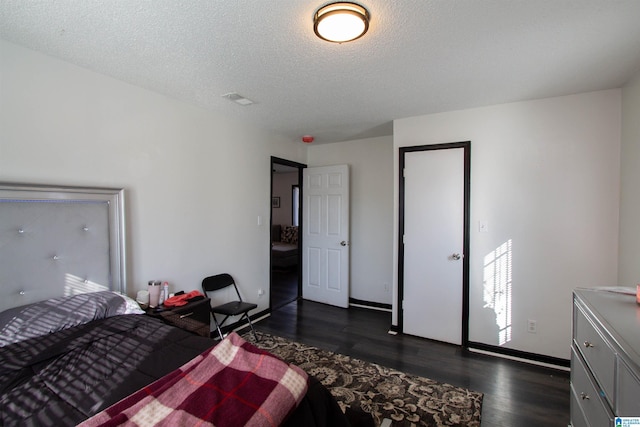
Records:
x=275, y=202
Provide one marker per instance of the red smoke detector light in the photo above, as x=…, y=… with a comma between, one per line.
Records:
x=307, y=139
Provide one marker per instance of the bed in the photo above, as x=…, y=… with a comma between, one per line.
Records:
x=67, y=359
x=284, y=246
x=75, y=349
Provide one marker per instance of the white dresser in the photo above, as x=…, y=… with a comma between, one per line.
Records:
x=605, y=358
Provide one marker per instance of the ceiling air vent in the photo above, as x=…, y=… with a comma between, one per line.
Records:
x=237, y=98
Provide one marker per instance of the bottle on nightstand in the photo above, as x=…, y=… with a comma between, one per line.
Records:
x=165, y=290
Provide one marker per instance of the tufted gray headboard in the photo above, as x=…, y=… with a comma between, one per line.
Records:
x=57, y=241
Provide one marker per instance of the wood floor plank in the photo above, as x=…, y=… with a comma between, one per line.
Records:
x=516, y=394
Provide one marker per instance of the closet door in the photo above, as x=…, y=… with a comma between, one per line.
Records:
x=433, y=256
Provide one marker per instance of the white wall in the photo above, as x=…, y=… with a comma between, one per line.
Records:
x=629, y=258
x=195, y=182
x=371, y=222
x=544, y=174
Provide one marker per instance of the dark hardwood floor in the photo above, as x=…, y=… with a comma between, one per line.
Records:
x=284, y=286
x=515, y=394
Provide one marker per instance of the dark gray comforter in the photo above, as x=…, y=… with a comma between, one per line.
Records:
x=62, y=378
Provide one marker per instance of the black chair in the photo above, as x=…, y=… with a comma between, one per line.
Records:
x=233, y=308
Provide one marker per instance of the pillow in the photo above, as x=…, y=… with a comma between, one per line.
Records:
x=131, y=305
x=45, y=317
x=289, y=234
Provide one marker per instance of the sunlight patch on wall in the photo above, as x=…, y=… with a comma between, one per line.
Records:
x=74, y=285
x=497, y=288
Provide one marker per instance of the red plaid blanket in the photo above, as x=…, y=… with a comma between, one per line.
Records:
x=233, y=384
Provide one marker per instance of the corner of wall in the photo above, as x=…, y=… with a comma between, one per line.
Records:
x=629, y=231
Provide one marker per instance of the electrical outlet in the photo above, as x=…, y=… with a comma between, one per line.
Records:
x=260, y=292
x=532, y=326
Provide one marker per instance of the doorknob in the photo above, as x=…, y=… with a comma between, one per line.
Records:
x=343, y=243
x=455, y=256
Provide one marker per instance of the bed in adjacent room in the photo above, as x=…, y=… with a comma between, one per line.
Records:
x=284, y=246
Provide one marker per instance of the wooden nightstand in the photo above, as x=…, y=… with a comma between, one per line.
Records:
x=193, y=317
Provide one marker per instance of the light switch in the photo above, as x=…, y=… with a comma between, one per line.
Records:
x=483, y=227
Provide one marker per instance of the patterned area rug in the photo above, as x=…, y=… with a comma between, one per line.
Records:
x=407, y=400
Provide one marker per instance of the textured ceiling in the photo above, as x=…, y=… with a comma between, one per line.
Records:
x=419, y=56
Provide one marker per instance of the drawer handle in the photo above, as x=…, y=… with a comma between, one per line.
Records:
x=584, y=396
x=182, y=316
x=587, y=344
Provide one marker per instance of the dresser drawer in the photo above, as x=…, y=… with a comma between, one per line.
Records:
x=596, y=352
x=577, y=416
x=586, y=396
x=628, y=392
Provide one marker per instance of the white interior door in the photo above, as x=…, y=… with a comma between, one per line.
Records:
x=325, y=242
x=433, y=244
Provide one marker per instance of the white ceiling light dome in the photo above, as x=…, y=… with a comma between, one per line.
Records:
x=341, y=22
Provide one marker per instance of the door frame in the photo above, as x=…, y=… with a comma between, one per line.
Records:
x=300, y=167
x=466, y=145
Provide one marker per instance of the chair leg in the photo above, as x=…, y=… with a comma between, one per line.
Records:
x=217, y=327
x=220, y=333
x=251, y=324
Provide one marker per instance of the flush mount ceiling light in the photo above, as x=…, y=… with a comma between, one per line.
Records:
x=341, y=22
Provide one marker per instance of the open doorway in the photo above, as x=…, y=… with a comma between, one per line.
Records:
x=286, y=223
